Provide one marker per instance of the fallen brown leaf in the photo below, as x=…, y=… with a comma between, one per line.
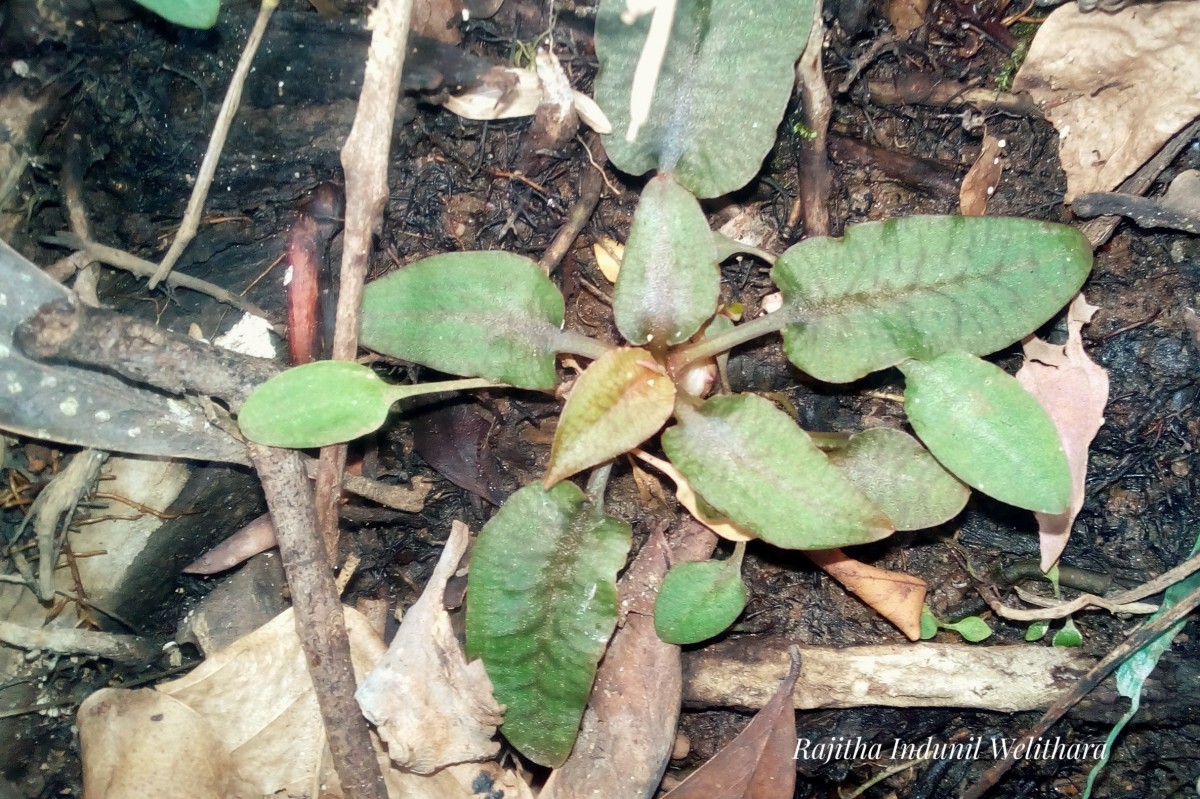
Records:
x=431, y=706
x=258, y=696
x=1116, y=87
x=138, y=743
x=906, y=15
x=757, y=764
x=896, y=596
x=1073, y=390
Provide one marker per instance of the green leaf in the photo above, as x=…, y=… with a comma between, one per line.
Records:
x=541, y=606
x=983, y=426
x=618, y=402
x=901, y=477
x=200, y=14
x=721, y=92
x=669, y=281
x=327, y=402
x=921, y=286
x=929, y=623
x=490, y=314
x=973, y=629
x=1036, y=631
x=1068, y=636
x=319, y=403
x=700, y=599
x=750, y=461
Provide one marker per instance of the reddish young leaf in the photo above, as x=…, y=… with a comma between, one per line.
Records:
x=618, y=402
x=758, y=763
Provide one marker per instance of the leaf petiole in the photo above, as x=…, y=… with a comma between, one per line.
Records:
x=681, y=358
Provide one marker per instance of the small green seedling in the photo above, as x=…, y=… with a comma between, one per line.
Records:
x=972, y=628
x=927, y=295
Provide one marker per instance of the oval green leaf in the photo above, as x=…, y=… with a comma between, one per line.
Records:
x=618, y=402
x=319, y=403
x=921, y=286
x=487, y=314
x=669, y=281
x=973, y=629
x=901, y=477
x=983, y=426
x=721, y=91
x=201, y=14
x=750, y=461
x=541, y=606
x=699, y=599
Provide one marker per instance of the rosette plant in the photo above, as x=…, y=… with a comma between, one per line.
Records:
x=927, y=295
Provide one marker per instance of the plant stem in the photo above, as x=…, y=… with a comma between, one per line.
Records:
x=578, y=344
x=706, y=348
x=597, y=483
x=397, y=393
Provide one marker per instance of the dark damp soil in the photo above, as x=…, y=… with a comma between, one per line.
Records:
x=137, y=99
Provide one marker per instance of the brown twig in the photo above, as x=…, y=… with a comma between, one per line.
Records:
x=581, y=212
x=143, y=268
x=319, y=621
x=812, y=200
x=140, y=351
x=169, y=361
x=920, y=88
x=1138, y=639
x=216, y=143
x=923, y=174
x=365, y=163
x=1099, y=230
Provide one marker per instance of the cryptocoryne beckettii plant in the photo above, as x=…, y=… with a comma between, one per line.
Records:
x=927, y=295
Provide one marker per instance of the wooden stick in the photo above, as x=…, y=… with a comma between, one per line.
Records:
x=216, y=143
x=365, y=162
x=319, y=621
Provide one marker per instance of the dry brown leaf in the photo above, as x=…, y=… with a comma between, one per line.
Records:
x=1073, y=390
x=983, y=177
x=629, y=726
x=431, y=706
x=255, y=700
x=906, y=15
x=896, y=596
x=1115, y=86
x=726, y=528
x=758, y=763
x=138, y=743
x=258, y=697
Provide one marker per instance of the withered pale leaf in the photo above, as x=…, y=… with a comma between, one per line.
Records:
x=1116, y=87
x=137, y=743
x=1074, y=390
x=430, y=705
x=894, y=595
x=258, y=697
x=758, y=763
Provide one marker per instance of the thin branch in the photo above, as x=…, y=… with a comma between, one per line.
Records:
x=1085, y=684
x=143, y=268
x=365, y=162
x=216, y=143
x=319, y=621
